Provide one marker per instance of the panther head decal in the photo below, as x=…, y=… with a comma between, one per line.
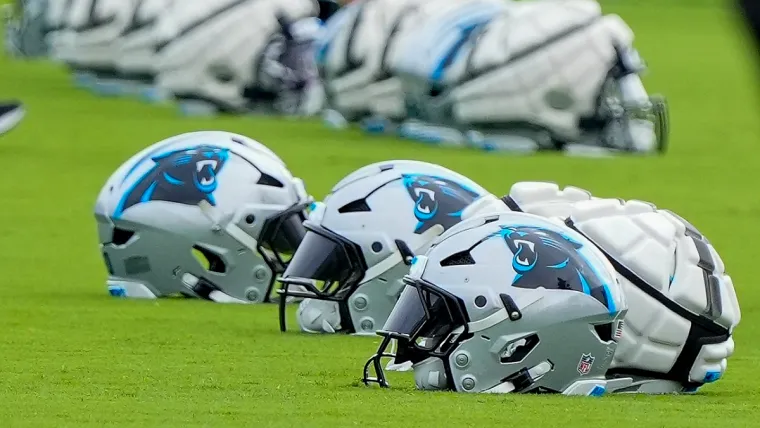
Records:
x=187, y=176
x=437, y=200
x=550, y=259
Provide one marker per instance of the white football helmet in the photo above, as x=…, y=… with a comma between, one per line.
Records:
x=352, y=56
x=33, y=25
x=682, y=304
x=361, y=239
x=96, y=26
x=239, y=56
x=507, y=303
x=89, y=44
x=26, y=28
x=211, y=214
x=539, y=75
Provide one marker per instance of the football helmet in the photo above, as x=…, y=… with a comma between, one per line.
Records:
x=361, y=239
x=26, y=28
x=31, y=26
x=540, y=75
x=546, y=320
x=212, y=215
x=137, y=47
x=352, y=59
x=90, y=48
x=683, y=307
x=264, y=62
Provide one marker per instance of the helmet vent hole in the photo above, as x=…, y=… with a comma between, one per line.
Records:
x=268, y=180
x=210, y=261
x=517, y=350
x=121, y=236
x=458, y=259
x=359, y=205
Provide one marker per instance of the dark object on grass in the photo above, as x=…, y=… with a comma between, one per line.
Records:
x=11, y=113
x=750, y=10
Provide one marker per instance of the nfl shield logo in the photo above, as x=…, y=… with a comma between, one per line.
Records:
x=584, y=365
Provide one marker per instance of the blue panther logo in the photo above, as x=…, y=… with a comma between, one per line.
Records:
x=185, y=176
x=437, y=200
x=550, y=259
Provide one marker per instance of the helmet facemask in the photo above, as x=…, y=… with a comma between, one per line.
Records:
x=331, y=268
x=280, y=236
x=628, y=118
x=286, y=73
x=427, y=322
x=326, y=267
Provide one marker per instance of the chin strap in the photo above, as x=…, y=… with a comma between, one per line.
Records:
x=318, y=316
x=206, y=290
x=219, y=297
x=400, y=367
x=522, y=379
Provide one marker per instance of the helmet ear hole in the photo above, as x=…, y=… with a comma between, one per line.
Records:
x=359, y=205
x=604, y=331
x=121, y=236
x=268, y=180
x=517, y=350
x=210, y=261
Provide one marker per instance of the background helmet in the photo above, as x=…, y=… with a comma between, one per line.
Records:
x=508, y=303
x=567, y=75
x=204, y=214
x=361, y=239
x=87, y=41
x=353, y=53
x=26, y=26
x=265, y=59
x=138, y=39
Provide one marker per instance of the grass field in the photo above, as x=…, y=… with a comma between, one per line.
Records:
x=72, y=356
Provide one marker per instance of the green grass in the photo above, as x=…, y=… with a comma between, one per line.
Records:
x=72, y=356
